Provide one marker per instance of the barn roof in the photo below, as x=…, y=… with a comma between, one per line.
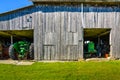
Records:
x=75, y=1
x=16, y=10
x=57, y=1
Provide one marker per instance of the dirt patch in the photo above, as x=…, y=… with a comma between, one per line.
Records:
x=16, y=62
x=98, y=59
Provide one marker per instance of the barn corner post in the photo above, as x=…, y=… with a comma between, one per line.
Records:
x=35, y=36
x=111, y=45
x=35, y=47
x=81, y=33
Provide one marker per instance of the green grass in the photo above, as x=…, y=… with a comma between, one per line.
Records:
x=62, y=71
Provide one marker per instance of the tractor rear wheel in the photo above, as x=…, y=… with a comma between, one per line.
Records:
x=31, y=51
x=12, y=52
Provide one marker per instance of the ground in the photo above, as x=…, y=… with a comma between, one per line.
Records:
x=79, y=70
x=16, y=62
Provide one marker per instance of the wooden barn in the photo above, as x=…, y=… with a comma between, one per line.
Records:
x=60, y=29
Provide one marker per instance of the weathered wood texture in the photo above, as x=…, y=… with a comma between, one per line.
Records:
x=105, y=17
x=61, y=29
x=58, y=34
x=58, y=29
x=19, y=20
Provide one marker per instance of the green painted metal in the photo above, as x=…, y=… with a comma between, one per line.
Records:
x=21, y=47
x=91, y=47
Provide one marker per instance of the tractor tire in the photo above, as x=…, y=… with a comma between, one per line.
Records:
x=12, y=52
x=31, y=51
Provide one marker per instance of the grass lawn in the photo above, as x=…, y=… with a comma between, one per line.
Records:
x=62, y=71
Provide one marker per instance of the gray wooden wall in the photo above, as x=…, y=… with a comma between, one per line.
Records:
x=61, y=33
x=105, y=17
x=58, y=29
x=18, y=20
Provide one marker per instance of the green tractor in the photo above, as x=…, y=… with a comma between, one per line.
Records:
x=89, y=49
x=21, y=50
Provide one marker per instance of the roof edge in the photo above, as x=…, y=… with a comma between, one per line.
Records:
x=95, y=1
x=12, y=11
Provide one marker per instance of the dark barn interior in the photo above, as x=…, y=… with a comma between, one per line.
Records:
x=9, y=37
x=96, y=43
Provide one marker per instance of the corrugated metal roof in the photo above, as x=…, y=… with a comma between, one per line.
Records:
x=52, y=1
x=9, y=12
x=75, y=0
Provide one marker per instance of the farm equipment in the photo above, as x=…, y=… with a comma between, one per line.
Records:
x=89, y=49
x=21, y=50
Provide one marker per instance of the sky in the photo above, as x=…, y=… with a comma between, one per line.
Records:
x=8, y=5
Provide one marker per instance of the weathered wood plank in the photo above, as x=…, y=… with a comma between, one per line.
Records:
x=35, y=39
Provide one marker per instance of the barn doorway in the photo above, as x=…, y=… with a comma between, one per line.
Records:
x=8, y=37
x=96, y=42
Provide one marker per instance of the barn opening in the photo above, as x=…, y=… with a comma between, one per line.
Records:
x=9, y=37
x=96, y=43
